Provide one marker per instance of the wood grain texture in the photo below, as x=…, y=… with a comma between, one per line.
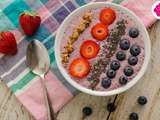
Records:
x=149, y=85
x=73, y=111
x=10, y=107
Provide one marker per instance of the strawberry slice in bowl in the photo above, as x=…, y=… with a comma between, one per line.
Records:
x=99, y=31
x=79, y=68
x=107, y=16
x=89, y=49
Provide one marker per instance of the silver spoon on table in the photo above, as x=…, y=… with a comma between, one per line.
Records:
x=37, y=59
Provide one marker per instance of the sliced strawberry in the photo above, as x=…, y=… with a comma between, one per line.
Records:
x=79, y=68
x=89, y=49
x=100, y=31
x=8, y=43
x=107, y=16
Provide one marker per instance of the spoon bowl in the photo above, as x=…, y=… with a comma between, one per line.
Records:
x=37, y=58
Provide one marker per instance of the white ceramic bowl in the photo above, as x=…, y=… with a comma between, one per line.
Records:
x=100, y=5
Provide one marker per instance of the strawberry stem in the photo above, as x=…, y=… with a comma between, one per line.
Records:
x=31, y=13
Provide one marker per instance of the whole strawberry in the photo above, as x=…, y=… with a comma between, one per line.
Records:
x=8, y=43
x=29, y=22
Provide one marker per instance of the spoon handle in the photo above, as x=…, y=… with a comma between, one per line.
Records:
x=50, y=113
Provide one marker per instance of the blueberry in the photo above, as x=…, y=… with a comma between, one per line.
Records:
x=135, y=50
x=142, y=100
x=106, y=83
x=123, y=80
x=133, y=32
x=132, y=60
x=115, y=65
x=124, y=44
x=120, y=55
x=111, y=73
x=128, y=71
x=87, y=111
x=111, y=107
x=89, y=78
x=133, y=116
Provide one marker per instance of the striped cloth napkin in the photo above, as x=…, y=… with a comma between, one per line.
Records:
x=27, y=86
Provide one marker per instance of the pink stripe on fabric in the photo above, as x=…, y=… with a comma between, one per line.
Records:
x=51, y=24
x=53, y=5
x=43, y=12
x=58, y=93
x=18, y=35
x=142, y=9
x=33, y=99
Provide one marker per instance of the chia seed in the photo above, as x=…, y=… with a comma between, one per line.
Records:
x=111, y=44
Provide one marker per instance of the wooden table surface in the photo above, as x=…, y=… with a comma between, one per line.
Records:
x=149, y=85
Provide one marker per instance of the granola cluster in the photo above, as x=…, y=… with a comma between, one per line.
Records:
x=84, y=23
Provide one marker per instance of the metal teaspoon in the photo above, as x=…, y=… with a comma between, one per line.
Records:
x=37, y=59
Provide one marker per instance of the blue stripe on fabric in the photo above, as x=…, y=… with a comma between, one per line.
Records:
x=61, y=14
x=5, y=23
x=80, y=2
x=44, y=1
x=14, y=9
x=50, y=43
x=34, y=4
x=40, y=35
x=70, y=5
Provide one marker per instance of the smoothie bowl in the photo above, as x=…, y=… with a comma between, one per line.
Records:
x=102, y=49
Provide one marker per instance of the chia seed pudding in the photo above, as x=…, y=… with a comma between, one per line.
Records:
x=120, y=55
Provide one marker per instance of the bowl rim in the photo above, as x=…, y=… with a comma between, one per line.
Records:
x=147, y=46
